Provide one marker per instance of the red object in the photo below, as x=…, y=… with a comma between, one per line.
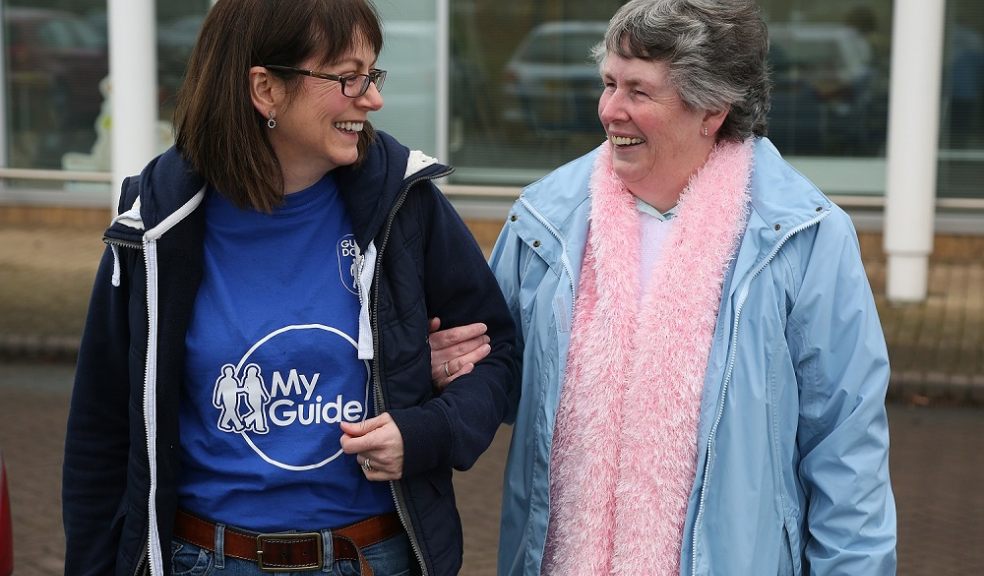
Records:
x=6, y=531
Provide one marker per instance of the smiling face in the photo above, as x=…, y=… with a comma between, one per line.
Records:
x=317, y=126
x=657, y=142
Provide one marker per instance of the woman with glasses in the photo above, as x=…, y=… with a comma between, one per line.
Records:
x=254, y=389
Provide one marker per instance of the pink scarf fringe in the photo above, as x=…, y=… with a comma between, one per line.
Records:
x=625, y=445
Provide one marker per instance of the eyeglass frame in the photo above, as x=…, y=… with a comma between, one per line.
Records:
x=375, y=76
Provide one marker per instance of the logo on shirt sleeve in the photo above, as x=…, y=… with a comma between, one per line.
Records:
x=348, y=263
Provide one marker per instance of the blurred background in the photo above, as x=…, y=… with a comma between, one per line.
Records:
x=520, y=89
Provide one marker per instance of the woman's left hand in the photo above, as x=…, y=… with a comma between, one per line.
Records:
x=455, y=351
x=377, y=441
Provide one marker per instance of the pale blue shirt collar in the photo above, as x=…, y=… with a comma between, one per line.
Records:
x=645, y=208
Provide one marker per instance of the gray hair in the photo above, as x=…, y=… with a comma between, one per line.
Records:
x=715, y=50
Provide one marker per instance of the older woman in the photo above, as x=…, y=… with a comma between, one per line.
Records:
x=703, y=367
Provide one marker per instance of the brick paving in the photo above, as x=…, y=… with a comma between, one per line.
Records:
x=937, y=462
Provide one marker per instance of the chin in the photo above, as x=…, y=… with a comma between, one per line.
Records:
x=627, y=173
x=344, y=159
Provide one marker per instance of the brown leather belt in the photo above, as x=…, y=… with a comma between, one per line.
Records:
x=290, y=551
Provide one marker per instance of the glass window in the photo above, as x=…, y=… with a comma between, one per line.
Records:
x=523, y=88
x=830, y=64
x=961, y=159
x=56, y=114
x=176, y=36
x=55, y=59
x=409, y=57
x=524, y=91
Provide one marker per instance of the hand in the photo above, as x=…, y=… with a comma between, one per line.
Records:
x=379, y=441
x=455, y=351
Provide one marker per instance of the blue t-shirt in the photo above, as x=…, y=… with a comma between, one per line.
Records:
x=272, y=369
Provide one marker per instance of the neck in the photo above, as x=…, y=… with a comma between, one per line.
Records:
x=297, y=180
x=661, y=198
x=663, y=189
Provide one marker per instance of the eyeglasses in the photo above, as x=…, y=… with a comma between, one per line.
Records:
x=353, y=85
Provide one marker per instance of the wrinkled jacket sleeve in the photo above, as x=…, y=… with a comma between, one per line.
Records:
x=97, y=442
x=842, y=369
x=505, y=264
x=460, y=289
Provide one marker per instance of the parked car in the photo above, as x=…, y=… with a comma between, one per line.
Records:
x=822, y=95
x=6, y=529
x=551, y=83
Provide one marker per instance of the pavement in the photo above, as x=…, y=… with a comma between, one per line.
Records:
x=937, y=463
x=935, y=412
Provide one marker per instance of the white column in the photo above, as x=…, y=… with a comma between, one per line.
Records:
x=443, y=79
x=913, y=141
x=133, y=81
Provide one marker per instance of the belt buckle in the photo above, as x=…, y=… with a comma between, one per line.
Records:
x=289, y=539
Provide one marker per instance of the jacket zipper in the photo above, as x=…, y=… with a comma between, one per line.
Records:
x=147, y=368
x=142, y=563
x=122, y=243
x=399, y=499
x=732, y=356
x=566, y=265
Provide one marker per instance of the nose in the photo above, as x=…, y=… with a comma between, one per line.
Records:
x=611, y=107
x=372, y=99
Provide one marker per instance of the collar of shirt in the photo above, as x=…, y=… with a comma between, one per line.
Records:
x=645, y=208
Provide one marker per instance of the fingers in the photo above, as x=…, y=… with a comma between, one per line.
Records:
x=359, y=429
x=450, y=370
x=378, y=445
x=379, y=469
x=449, y=363
x=441, y=339
x=454, y=350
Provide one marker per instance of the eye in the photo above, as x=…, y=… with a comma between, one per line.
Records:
x=640, y=94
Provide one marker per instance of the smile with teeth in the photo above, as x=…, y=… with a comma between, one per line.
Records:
x=625, y=141
x=349, y=126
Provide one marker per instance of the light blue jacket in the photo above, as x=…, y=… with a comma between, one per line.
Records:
x=792, y=464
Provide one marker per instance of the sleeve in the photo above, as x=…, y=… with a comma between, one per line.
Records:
x=459, y=288
x=97, y=442
x=842, y=370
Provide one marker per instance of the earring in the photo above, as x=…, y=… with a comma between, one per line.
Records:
x=705, y=130
x=272, y=122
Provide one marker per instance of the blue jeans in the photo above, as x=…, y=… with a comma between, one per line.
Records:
x=391, y=557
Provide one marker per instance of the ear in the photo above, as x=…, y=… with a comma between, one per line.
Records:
x=713, y=120
x=265, y=90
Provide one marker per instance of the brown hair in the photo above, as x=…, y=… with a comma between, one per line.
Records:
x=217, y=128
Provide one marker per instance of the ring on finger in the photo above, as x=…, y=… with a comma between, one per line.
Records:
x=447, y=372
x=367, y=465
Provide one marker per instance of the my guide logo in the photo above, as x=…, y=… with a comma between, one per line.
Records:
x=282, y=408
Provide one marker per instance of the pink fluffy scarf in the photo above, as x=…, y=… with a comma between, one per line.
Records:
x=625, y=445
